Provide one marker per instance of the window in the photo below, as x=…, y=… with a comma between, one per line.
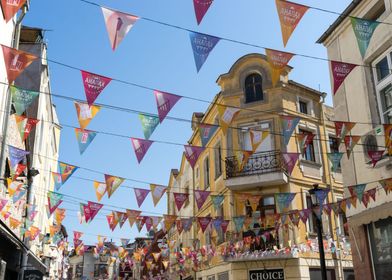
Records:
x=380, y=235
x=334, y=147
x=348, y=274
x=315, y=274
x=220, y=213
x=383, y=81
x=311, y=219
x=223, y=276
x=303, y=107
x=246, y=143
x=253, y=88
x=100, y=270
x=343, y=229
x=206, y=173
x=211, y=277
x=218, y=160
x=309, y=152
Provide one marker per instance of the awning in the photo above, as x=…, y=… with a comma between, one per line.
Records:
x=35, y=262
x=371, y=215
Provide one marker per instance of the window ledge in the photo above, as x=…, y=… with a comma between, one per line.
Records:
x=311, y=163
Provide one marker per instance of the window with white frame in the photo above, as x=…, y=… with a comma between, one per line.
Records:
x=383, y=81
x=309, y=153
x=334, y=143
x=305, y=106
x=266, y=145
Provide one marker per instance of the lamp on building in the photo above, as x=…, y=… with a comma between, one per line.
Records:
x=319, y=227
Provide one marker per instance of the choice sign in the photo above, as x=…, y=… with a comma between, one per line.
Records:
x=266, y=274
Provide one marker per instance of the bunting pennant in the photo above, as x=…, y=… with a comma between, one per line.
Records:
x=387, y=185
x=375, y=156
x=180, y=198
x=254, y=201
x=206, y=131
x=16, y=155
x=372, y=193
x=201, y=8
x=217, y=222
x=10, y=8
x=25, y=125
x=124, y=242
x=257, y=137
x=340, y=71
x=204, y=222
x=217, y=200
x=112, y=183
x=350, y=142
x=201, y=197
x=84, y=138
x=59, y=215
x=118, y=25
x=100, y=190
x=121, y=218
x=66, y=171
x=304, y=139
x=342, y=205
x=93, y=209
x=77, y=243
x=335, y=160
x=148, y=223
x=290, y=14
x=14, y=223
x=77, y=235
x=86, y=113
x=53, y=230
x=156, y=256
x=283, y=200
x=165, y=264
x=225, y=225
x=288, y=126
x=157, y=193
x=357, y=191
x=3, y=203
x=34, y=232
x=132, y=216
x=16, y=61
x=140, y=195
x=165, y=102
x=294, y=217
x=321, y=194
x=13, y=187
x=304, y=215
x=202, y=45
x=226, y=116
x=149, y=123
x=192, y=154
x=54, y=200
x=179, y=226
x=93, y=85
x=242, y=158
x=363, y=30
x=388, y=138
x=278, y=61
x=57, y=180
x=22, y=99
x=18, y=195
x=187, y=224
x=343, y=128
x=169, y=221
x=155, y=221
x=289, y=160
x=239, y=223
x=327, y=209
x=141, y=147
x=111, y=221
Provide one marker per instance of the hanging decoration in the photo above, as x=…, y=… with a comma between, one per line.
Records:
x=169, y=221
x=192, y=154
x=93, y=85
x=363, y=30
x=112, y=183
x=179, y=199
x=10, y=8
x=25, y=125
x=204, y=222
x=257, y=137
x=217, y=201
x=86, y=113
x=357, y=191
x=283, y=200
x=22, y=98
x=16, y=155
x=84, y=138
x=66, y=171
x=165, y=102
x=343, y=128
x=388, y=138
x=239, y=223
x=206, y=131
x=100, y=190
x=19, y=169
x=141, y=195
x=16, y=61
x=132, y=216
x=226, y=116
x=278, y=61
x=335, y=160
x=54, y=200
x=140, y=147
x=289, y=160
x=157, y=192
x=91, y=210
x=288, y=126
x=340, y=71
x=350, y=142
x=149, y=123
x=202, y=45
x=13, y=187
x=201, y=8
x=201, y=197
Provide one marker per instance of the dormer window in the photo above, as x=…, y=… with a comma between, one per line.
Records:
x=253, y=88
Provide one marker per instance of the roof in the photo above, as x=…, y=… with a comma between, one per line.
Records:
x=31, y=34
x=291, y=82
x=338, y=21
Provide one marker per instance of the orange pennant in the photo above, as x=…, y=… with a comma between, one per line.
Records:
x=277, y=61
x=86, y=113
x=16, y=62
x=100, y=189
x=14, y=223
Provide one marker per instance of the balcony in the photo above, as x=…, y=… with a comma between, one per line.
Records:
x=262, y=169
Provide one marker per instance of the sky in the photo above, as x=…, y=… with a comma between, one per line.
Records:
x=158, y=57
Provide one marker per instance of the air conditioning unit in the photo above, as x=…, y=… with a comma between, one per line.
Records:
x=374, y=140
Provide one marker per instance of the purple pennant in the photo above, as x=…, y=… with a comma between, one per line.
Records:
x=165, y=102
x=140, y=195
x=327, y=208
x=290, y=159
x=202, y=45
x=201, y=8
x=225, y=225
x=16, y=155
x=217, y=222
x=304, y=215
x=192, y=153
x=200, y=197
x=321, y=195
x=187, y=224
x=204, y=222
x=179, y=199
x=141, y=147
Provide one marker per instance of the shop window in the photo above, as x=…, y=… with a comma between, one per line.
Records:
x=309, y=152
x=315, y=274
x=253, y=88
x=380, y=236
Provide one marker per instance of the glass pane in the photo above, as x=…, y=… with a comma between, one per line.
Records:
x=382, y=69
x=386, y=96
x=268, y=201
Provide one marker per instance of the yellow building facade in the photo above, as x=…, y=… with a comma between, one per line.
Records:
x=220, y=170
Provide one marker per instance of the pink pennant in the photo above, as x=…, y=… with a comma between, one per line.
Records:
x=201, y=8
x=77, y=235
x=192, y=154
x=3, y=203
x=204, y=222
x=179, y=199
x=140, y=195
x=375, y=156
x=340, y=71
x=304, y=215
x=93, y=85
x=225, y=225
x=165, y=102
x=290, y=159
x=200, y=197
x=92, y=209
x=141, y=147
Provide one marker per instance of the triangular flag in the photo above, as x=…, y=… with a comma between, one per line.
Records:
x=335, y=160
x=321, y=194
x=350, y=142
x=226, y=116
x=156, y=256
x=59, y=215
x=140, y=195
x=13, y=187
x=294, y=217
x=202, y=45
x=86, y=113
x=340, y=71
x=200, y=197
x=111, y=221
x=192, y=154
x=14, y=223
x=224, y=225
x=16, y=62
x=100, y=189
x=179, y=199
x=375, y=156
x=169, y=221
x=283, y=200
x=18, y=195
x=165, y=102
x=179, y=226
x=239, y=223
x=343, y=128
x=289, y=160
x=304, y=139
x=187, y=224
x=93, y=85
x=3, y=203
x=204, y=222
x=19, y=169
x=217, y=222
x=140, y=147
x=278, y=61
x=54, y=200
x=94, y=208
x=84, y=138
x=16, y=155
x=132, y=216
x=112, y=183
x=25, y=125
x=357, y=191
x=118, y=25
x=290, y=14
x=257, y=137
x=22, y=98
x=157, y=192
x=66, y=170
x=201, y=8
x=217, y=200
x=388, y=138
x=372, y=193
x=304, y=215
x=149, y=123
x=288, y=126
x=206, y=131
x=77, y=235
x=57, y=180
x=363, y=30
x=10, y=8
x=387, y=185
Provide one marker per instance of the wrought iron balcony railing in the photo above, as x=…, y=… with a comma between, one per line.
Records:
x=258, y=163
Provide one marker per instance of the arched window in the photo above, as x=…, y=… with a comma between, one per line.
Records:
x=253, y=88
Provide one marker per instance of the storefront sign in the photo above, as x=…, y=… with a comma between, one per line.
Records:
x=266, y=274
x=33, y=275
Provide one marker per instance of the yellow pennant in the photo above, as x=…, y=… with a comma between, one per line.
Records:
x=226, y=116
x=100, y=189
x=86, y=113
x=257, y=137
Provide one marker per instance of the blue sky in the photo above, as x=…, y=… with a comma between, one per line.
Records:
x=158, y=57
